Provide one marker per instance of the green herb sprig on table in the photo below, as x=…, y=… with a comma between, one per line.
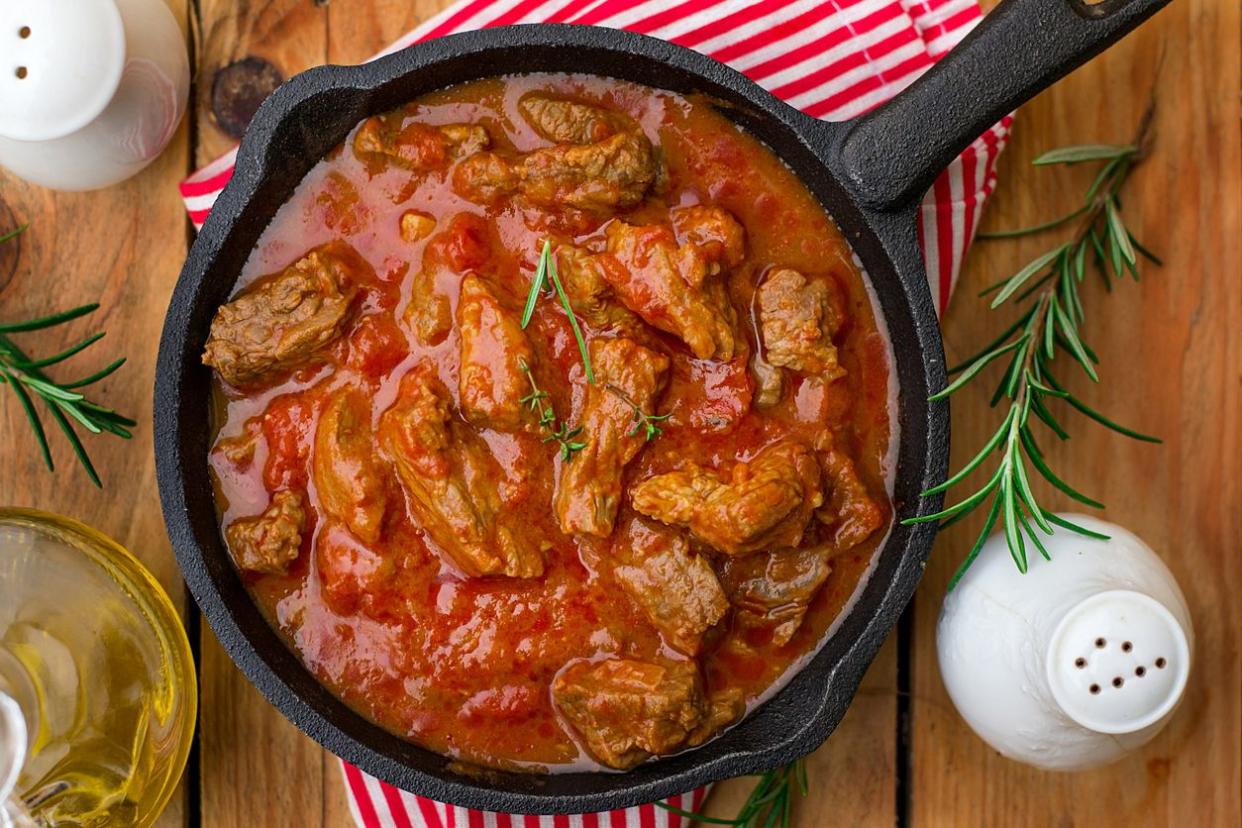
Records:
x=546, y=271
x=63, y=400
x=558, y=432
x=644, y=422
x=1049, y=326
x=770, y=804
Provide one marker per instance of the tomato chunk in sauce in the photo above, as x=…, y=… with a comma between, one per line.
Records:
x=552, y=417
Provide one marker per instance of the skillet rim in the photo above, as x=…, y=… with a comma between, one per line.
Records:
x=804, y=712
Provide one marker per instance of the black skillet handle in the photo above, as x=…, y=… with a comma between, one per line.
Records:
x=892, y=155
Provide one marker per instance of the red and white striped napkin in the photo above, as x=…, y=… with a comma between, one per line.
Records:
x=833, y=59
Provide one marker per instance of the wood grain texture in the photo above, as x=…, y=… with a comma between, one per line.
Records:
x=121, y=247
x=1170, y=351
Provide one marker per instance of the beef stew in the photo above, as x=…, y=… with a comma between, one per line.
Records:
x=591, y=538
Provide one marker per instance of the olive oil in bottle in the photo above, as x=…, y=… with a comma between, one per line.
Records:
x=93, y=654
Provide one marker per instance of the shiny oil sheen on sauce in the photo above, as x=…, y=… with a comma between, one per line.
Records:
x=463, y=666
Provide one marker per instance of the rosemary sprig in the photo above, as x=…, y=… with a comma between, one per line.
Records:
x=1050, y=326
x=558, y=432
x=546, y=271
x=643, y=421
x=12, y=234
x=770, y=804
x=66, y=404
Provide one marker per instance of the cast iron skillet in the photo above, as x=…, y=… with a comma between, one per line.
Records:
x=869, y=173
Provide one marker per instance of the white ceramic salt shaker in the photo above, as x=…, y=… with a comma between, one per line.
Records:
x=1075, y=663
x=91, y=91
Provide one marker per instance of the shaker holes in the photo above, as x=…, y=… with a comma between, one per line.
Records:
x=23, y=32
x=1099, y=642
x=1095, y=689
x=21, y=73
x=1118, y=681
x=1126, y=647
x=1140, y=671
x=1160, y=662
x=1080, y=662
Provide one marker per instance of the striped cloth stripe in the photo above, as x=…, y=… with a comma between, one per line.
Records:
x=834, y=59
x=375, y=804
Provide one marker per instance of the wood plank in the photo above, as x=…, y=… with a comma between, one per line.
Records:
x=121, y=247
x=1170, y=350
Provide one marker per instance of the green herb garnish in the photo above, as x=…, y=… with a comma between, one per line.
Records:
x=25, y=376
x=1051, y=325
x=642, y=420
x=558, y=432
x=769, y=805
x=546, y=271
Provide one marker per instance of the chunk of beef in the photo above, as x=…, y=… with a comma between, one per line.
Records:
x=572, y=122
x=414, y=146
x=589, y=293
x=486, y=178
x=769, y=381
x=271, y=541
x=676, y=288
x=676, y=589
x=714, y=231
x=766, y=502
x=796, y=322
x=600, y=178
x=850, y=512
x=613, y=174
x=588, y=489
x=281, y=322
x=493, y=350
x=429, y=314
x=348, y=477
x=724, y=707
x=627, y=710
x=773, y=589
x=450, y=480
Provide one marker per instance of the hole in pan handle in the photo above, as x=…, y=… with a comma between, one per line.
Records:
x=892, y=155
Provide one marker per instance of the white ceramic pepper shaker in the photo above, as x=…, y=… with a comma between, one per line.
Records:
x=91, y=91
x=1075, y=663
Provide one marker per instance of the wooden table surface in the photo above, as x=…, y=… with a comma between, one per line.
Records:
x=1171, y=349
